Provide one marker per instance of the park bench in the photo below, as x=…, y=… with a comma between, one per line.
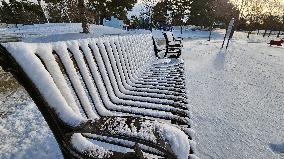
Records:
x=173, y=45
x=164, y=52
x=108, y=97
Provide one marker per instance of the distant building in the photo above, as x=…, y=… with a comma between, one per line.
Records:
x=114, y=22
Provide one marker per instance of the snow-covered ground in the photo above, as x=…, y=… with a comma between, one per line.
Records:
x=55, y=32
x=236, y=96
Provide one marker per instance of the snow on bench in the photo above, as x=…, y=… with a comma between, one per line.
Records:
x=106, y=97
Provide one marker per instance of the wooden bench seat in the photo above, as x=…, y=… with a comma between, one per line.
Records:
x=106, y=97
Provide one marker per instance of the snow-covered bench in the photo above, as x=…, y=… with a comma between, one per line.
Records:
x=173, y=43
x=106, y=97
x=163, y=52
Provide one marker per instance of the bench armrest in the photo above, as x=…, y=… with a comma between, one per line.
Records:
x=139, y=130
x=174, y=44
x=174, y=53
x=178, y=38
x=161, y=54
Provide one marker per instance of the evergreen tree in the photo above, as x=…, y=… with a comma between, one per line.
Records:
x=61, y=11
x=33, y=13
x=206, y=13
x=106, y=9
x=180, y=11
x=6, y=13
x=160, y=14
x=224, y=11
x=21, y=12
x=201, y=13
x=172, y=12
x=139, y=22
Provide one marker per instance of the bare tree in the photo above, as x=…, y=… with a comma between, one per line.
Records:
x=271, y=11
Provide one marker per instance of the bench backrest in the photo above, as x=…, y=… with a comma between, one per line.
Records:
x=64, y=72
x=69, y=80
x=169, y=36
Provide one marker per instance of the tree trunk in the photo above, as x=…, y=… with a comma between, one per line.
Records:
x=248, y=34
x=101, y=20
x=257, y=31
x=82, y=11
x=45, y=18
x=269, y=33
x=180, y=29
x=278, y=35
x=265, y=32
x=210, y=33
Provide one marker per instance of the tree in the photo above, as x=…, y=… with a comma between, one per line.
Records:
x=180, y=11
x=21, y=12
x=224, y=11
x=259, y=14
x=76, y=11
x=171, y=12
x=42, y=10
x=270, y=20
x=159, y=18
x=210, y=13
x=60, y=10
x=82, y=11
x=202, y=13
x=139, y=22
x=6, y=13
x=148, y=10
x=106, y=9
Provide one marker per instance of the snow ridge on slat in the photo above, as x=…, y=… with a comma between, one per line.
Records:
x=112, y=76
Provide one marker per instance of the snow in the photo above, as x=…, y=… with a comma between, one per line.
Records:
x=24, y=55
x=51, y=32
x=25, y=134
x=81, y=144
x=114, y=22
x=236, y=98
x=45, y=53
x=61, y=50
x=173, y=136
x=194, y=35
x=177, y=140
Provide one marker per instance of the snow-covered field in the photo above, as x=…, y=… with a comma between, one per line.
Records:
x=55, y=32
x=236, y=96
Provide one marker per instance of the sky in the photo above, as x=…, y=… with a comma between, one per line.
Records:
x=136, y=10
x=139, y=6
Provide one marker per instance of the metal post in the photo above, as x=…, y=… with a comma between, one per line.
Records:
x=228, y=33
